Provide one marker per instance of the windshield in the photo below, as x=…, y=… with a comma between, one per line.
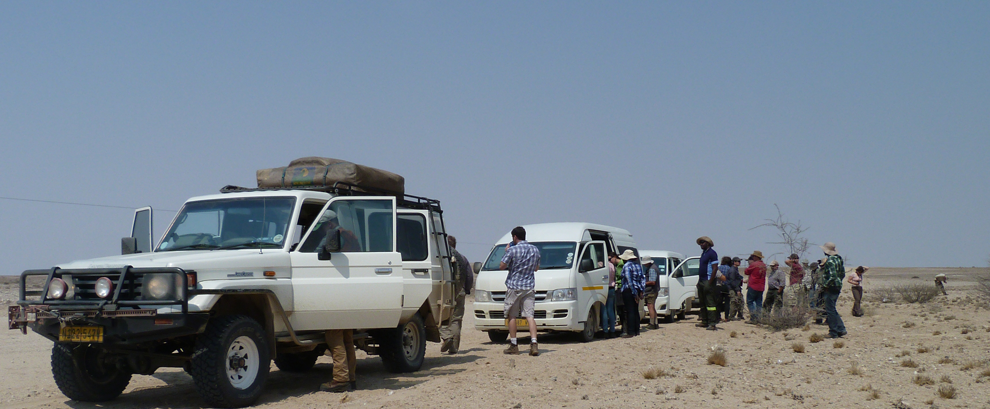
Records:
x=553, y=255
x=257, y=222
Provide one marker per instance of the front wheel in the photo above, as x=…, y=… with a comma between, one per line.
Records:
x=231, y=361
x=82, y=373
x=590, y=326
x=403, y=349
x=498, y=337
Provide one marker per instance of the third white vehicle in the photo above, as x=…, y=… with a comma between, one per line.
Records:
x=677, y=282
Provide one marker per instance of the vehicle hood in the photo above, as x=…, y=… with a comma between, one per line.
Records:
x=247, y=263
x=546, y=280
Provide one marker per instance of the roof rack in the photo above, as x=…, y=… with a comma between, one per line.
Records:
x=348, y=189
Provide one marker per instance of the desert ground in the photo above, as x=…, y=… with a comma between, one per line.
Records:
x=898, y=355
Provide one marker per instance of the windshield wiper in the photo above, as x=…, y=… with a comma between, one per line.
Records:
x=199, y=246
x=251, y=245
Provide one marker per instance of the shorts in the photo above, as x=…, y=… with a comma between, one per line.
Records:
x=519, y=300
x=651, y=298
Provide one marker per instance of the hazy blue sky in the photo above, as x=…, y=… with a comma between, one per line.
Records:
x=867, y=121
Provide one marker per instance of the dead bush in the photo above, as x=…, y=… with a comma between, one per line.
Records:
x=922, y=350
x=717, y=357
x=917, y=293
x=907, y=363
x=855, y=369
x=947, y=392
x=788, y=317
x=983, y=285
x=838, y=344
x=946, y=360
x=798, y=347
x=946, y=379
x=816, y=338
x=882, y=295
x=922, y=380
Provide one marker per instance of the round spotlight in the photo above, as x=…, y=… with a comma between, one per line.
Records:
x=104, y=287
x=57, y=289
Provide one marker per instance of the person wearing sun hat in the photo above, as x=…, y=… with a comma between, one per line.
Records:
x=776, y=282
x=833, y=272
x=633, y=290
x=757, y=272
x=707, y=274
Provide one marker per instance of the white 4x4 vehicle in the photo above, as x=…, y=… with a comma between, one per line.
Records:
x=244, y=277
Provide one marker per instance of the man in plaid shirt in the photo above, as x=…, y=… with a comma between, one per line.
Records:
x=522, y=260
x=833, y=271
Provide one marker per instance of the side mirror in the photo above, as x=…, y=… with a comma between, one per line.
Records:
x=586, y=265
x=678, y=273
x=476, y=266
x=128, y=245
x=332, y=245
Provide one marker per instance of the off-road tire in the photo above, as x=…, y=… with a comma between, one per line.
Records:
x=298, y=361
x=226, y=337
x=498, y=337
x=79, y=374
x=590, y=327
x=403, y=349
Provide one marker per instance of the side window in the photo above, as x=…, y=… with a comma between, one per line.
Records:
x=364, y=226
x=692, y=266
x=411, y=237
x=596, y=253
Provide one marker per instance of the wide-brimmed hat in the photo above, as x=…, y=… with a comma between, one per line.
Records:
x=627, y=255
x=793, y=256
x=829, y=248
x=774, y=264
x=327, y=216
x=758, y=254
x=645, y=260
x=705, y=239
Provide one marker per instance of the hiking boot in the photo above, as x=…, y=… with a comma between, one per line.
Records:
x=701, y=325
x=335, y=387
x=653, y=326
x=447, y=344
x=712, y=328
x=533, y=349
x=513, y=349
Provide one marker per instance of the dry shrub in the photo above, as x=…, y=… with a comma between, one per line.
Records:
x=908, y=324
x=947, y=392
x=816, y=338
x=970, y=365
x=788, y=317
x=882, y=295
x=917, y=293
x=945, y=379
x=985, y=373
x=679, y=389
x=983, y=285
x=855, y=369
x=946, y=360
x=733, y=334
x=937, y=333
x=949, y=318
x=922, y=380
x=717, y=357
x=798, y=347
x=903, y=353
x=922, y=350
x=807, y=328
x=907, y=363
x=838, y=344
x=652, y=373
x=965, y=331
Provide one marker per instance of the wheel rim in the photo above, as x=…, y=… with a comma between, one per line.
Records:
x=410, y=341
x=242, y=363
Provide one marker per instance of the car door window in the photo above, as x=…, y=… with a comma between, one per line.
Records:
x=364, y=225
x=411, y=240
x=595, y=253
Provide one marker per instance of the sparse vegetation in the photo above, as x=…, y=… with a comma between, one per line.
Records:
x=838, y=344
x=855, y=369
x=787, y=318
x=937, y=333
x=970, y=365
x=903, y=353
x=908, y=324
x=816, y=338
x=798, y=347
x=923, y=350
x=732, y=334
x=922, y=380
x=679, y=389
x=882, y=295
x=947, y=392
x=945, y=379
x=907, y=363
x=717, y=357
x=917, y=293
x=946, y=360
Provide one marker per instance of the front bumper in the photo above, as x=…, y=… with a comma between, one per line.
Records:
x=549, y=316
x=135, y=327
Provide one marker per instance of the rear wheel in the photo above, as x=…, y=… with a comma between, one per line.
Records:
x=498, y=337
x=82, y=373
x=231, y=361
x=403, y=349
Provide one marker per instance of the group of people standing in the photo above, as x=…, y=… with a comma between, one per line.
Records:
x=720, y=286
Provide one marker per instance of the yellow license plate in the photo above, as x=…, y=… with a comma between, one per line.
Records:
x=81, y=334
x=520, y=323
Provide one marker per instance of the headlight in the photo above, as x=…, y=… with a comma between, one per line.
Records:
x=104, y=287
x=159, y=286
x=662, y=292
x=482, y=296
x=564, y=294
x=57, y=289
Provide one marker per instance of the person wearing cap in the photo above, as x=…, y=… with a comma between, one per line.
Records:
x=522, y=260
x=328, y=223
x=833, y=272
x=723, y=288
x=856, y=279
x=652, y=289
x=707, y=274
x=450, y=334
x=775, y=288
x=757, y=273
x=608, y=313
x=794, y=292
x=940, y=283
x=339, y=341
x=633, y=289
x=813, y=286
x=734, y=280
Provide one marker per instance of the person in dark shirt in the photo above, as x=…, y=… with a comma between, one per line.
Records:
x=707, y=274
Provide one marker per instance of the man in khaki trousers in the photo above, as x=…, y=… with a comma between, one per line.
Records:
x=341, y=343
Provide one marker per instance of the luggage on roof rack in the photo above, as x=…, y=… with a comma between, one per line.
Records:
x=315, y=171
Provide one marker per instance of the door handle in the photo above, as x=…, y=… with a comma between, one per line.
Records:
x=420, y=271
x=384, y=270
